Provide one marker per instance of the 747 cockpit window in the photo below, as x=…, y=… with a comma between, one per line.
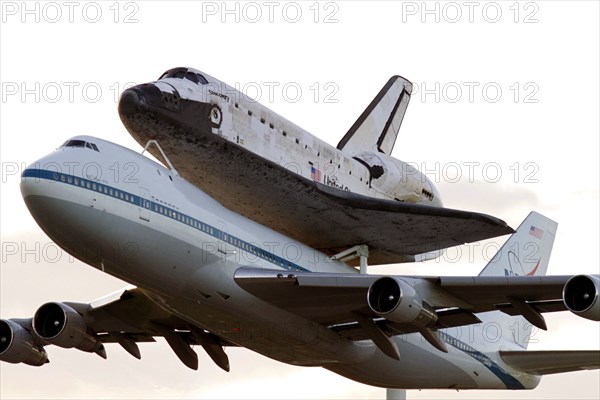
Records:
x=181, y=73
x=80, y=143
x=74, y=143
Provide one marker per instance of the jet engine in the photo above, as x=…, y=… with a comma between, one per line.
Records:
x=60, y=325
x=396, y=300
x=17, y=345
x=580, y=295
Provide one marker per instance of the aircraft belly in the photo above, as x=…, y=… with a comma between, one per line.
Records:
x=421, y=366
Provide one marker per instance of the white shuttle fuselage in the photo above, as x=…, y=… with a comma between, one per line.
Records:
x=191, y=98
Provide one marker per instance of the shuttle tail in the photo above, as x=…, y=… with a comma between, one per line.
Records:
x=525, y=253
x=377, y=128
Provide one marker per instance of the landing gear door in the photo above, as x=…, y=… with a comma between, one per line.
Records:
x=145, y=204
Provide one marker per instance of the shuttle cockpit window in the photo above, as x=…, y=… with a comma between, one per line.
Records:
x=80, y=143
x=183, y=73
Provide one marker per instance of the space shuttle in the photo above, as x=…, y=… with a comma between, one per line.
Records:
x=260, y=165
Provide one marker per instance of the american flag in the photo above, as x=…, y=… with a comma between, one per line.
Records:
x=537, y=232
x=315, y=174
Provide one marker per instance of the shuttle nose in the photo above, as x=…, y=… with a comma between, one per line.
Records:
x=144, y=97
x=129, y=103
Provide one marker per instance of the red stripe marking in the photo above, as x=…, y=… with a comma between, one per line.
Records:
x=535, y=269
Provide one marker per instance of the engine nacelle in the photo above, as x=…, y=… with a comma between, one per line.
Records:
x=60, y=325
x=580, y=295
x=17, y=345
x=396, y=300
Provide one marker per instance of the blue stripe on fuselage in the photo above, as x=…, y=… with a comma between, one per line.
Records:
x=165, y=211
x=510, y=381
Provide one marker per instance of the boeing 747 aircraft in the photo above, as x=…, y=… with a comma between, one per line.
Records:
x=253, y=161
x=206, y=276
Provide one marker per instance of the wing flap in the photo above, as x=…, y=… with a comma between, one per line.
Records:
x=551, y=362
x=487, y=293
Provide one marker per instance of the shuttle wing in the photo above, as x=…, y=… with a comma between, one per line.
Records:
x=394, y=231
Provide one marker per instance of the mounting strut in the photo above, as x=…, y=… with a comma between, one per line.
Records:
x=359, y=251
x=154, y=142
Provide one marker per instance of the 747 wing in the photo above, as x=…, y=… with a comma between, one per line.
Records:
x=373, y=307
x=126, y=317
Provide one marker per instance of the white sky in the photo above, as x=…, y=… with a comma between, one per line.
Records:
x=62, y=78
